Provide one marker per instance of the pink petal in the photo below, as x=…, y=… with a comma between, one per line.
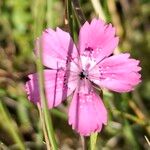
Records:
x=118, y=73
x=87, y=112
x=57, y=48
x=56, y=87
x=98, y=38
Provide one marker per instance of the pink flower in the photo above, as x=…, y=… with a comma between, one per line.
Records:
x=74, y=70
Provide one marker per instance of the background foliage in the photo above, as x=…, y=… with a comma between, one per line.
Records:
x=20, y=23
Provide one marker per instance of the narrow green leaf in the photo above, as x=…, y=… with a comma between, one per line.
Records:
x=11, y=127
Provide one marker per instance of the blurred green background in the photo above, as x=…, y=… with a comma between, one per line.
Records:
x=21, y=22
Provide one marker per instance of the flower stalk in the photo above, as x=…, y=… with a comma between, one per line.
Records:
x=78, y=11
x=70, y=16
x=46, y=114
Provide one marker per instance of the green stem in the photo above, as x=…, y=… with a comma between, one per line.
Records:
x=78, y=11
x=39, y=15
x=49, y=14
x=47, y=116
x=93, y=139
x=10, y=126
x=70, y=17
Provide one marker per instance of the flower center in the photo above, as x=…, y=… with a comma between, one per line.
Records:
x=83, y=75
